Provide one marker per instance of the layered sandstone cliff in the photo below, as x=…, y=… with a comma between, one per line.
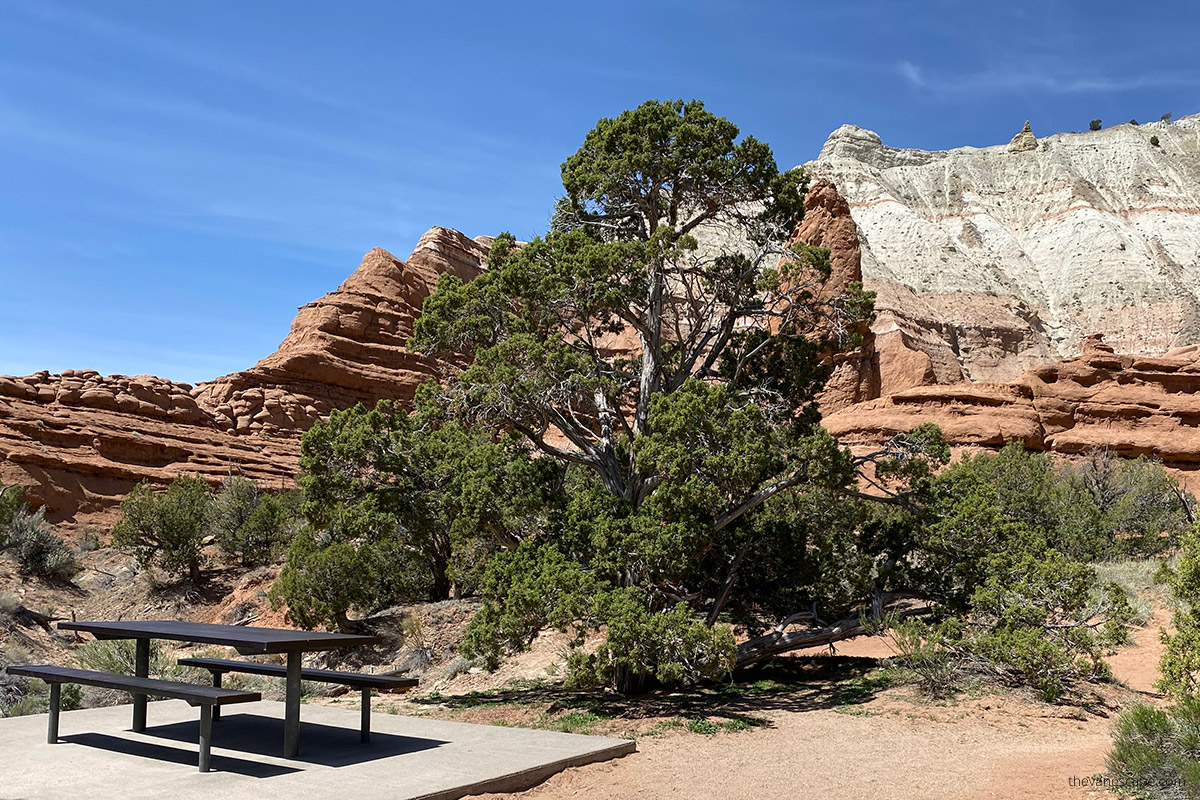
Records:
x=80, y=441
x=1132, y=405
x=989, y=261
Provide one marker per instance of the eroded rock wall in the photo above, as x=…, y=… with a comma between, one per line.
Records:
x=80, y=441
x=989, y=261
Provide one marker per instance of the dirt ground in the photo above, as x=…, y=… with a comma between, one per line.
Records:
x=894, y=746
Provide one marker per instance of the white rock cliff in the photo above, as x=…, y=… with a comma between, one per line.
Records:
x=989, y=261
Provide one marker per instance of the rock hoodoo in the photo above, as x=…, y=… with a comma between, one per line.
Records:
x=1023, y=141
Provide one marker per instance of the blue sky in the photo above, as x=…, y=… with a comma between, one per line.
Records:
x=176, y=178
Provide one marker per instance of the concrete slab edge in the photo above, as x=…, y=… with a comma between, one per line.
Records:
x=524, y=779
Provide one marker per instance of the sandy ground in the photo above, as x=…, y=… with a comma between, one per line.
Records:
x=894, y=747
x=825, y=754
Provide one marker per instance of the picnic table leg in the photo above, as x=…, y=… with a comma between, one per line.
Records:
x=55, y=705
x=206, y=718
x=291, y=711
x=217, y=685
x=365, y=735
x=141, y=668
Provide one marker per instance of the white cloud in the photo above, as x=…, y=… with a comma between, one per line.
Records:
x=999, y=80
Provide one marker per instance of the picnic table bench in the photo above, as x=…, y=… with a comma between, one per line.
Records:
x=246, y=639
x=207, y=697
x=356, y=680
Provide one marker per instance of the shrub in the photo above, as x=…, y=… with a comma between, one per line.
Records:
x=38, y=549
x=1157, y=752
x=254, y=526
x=322, y=583
x=168, y=528
x=1094, y=125
x=120, y=655
x=1154, y=141
x=926, y=651
x=1166, y=117
x=1180, y=665
x=11, y=499
x=1133, y=122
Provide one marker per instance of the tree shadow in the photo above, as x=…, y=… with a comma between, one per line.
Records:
x=796, y=684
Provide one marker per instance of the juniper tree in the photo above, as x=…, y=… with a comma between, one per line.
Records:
x=672, y=366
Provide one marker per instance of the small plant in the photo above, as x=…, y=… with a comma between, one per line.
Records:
x=166, y=529
x=38, y=549
x=1133, y=122
x=1157, y=751
x=1094, y=125
x=923, y=649
x=89, y=538
x=1154, y=141
x=1166, y=117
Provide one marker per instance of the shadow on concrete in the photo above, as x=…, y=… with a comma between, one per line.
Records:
x=327, y=745
x=158, y=752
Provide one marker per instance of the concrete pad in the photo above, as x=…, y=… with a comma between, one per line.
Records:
x=408, y=758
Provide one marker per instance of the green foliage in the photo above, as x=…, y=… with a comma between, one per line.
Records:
x=251, y=524
x=1002, y=546
x=119, y=656
x=1094, y=125
x=1102, y=507
x=1154, y=141
x=169, y=528
x=12, y=498
x=670, y=646
x=1133, y=122
x=166, y=529
x=1180, y=665
x=420, y=499
x=677, y=444
x=322, y=580
x=36, y=547
x=1157, y=753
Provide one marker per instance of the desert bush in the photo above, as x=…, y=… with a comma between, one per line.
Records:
x=1179, y=667
x=119, y=656
x=11, y=499
x=253, y=525
x=20, y=696
x=1094, y=125
x=926, y=650
x=37, y=548
x=1156, y=752
x=1154, y=141
x=166, y=529
x=1102, y=507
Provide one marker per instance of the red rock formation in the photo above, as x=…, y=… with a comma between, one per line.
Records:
x=1133, y=405
x=827, y=223
x=79, y=442
x=348, y=346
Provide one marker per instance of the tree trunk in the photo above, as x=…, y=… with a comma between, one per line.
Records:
x=344, y=625
x=777, y=641
x=626, y=681
x=441, y=582
x=761, y=648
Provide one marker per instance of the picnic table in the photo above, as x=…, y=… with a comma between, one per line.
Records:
x=245, y=639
